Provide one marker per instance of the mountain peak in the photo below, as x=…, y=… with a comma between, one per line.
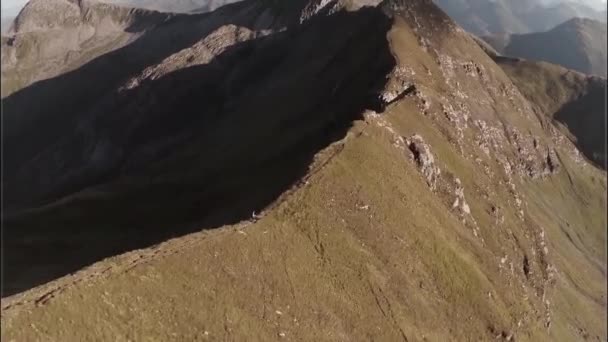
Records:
x=579, y=23
x=47, y=14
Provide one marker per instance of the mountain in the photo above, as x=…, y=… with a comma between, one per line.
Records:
x=177, y=6
x=578, y=44
x=28, y=47
x=547, y=18
x=575, y=101
x=302, y=170
x=483, y=17
x=51, y=38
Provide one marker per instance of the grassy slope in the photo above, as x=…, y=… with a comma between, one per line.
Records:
x=317, y=258
x=574, y=217
x=406, y=266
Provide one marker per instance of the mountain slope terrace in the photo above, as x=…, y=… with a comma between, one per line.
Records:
x=402, y=187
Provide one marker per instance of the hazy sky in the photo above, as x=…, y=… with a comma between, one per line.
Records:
x=12, y=7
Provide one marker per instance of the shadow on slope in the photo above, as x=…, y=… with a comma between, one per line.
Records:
x=585, y=117
x=574, y=100
x=57, y=103
x=195, y=149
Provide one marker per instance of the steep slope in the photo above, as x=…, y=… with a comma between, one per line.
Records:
x=402, y=189
x=576, y=101
x=515, y=17
x=51, y=37
x=487, y=48
x=204, y=107
x=578, y=44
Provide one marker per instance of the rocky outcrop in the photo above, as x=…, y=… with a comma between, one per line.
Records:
x=421, y=154
x=533, y=160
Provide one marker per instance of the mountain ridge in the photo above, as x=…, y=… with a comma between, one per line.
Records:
x=578, y=44
x=388, y=181
x=514, y=17
x=82, y=32
x=566, y=95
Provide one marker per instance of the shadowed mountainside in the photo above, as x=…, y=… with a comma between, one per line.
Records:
x=575, y=100
x=200, y=144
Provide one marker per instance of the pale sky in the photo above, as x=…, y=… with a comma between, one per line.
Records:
x=12, y=7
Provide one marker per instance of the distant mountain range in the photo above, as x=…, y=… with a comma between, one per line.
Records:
x=576, y=102
x=175, y=6
x=578, y=44
x=483, y=17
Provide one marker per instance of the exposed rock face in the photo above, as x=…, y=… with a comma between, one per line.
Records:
x=400, y=85
x=421, y=153
x=315, y=7
x=533, y=160
x=460, y=202
x=41, y=15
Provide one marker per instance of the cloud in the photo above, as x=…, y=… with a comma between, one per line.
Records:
x=11, y=8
